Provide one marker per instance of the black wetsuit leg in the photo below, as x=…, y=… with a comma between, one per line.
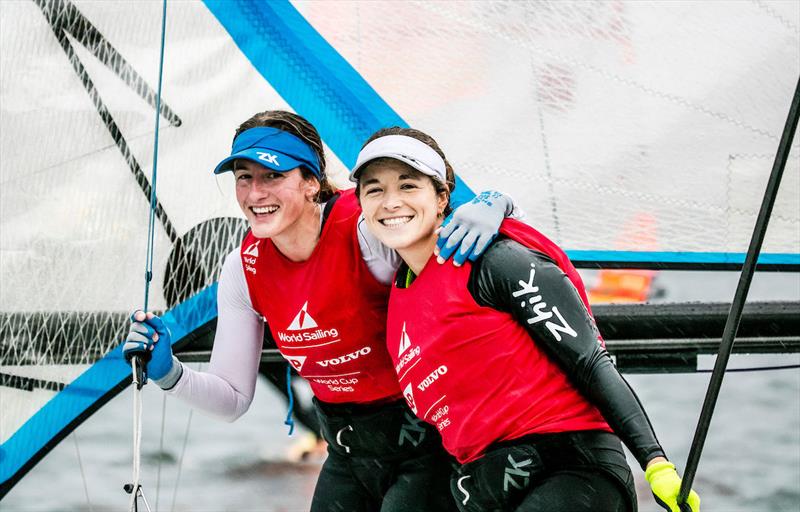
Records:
x=338, y=489
x=381, y=459
x=575, y=491
x=421, y=483
x=569, y=472
x=370, y=484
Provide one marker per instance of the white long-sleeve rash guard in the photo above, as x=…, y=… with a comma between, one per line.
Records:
x=227, y=388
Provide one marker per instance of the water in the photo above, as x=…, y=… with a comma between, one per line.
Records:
x=750, y=463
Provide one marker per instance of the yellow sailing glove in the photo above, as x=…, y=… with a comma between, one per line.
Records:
x=666, y=485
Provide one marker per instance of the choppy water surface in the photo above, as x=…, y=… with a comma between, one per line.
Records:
x=751, y=460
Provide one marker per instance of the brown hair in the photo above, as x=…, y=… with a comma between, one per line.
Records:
x=438, y=186
x=299, y=127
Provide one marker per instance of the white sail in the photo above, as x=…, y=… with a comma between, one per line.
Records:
x=619, y=127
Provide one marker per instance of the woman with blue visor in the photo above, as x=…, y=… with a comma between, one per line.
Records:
x=310, y=269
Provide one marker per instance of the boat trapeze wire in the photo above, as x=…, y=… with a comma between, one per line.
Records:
x=138, y=363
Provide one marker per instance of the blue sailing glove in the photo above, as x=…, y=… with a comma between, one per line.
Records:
x=666, y=485
x=150, y=339
x=472, y=226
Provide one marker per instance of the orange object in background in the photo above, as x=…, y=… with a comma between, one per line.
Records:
x=621, y=286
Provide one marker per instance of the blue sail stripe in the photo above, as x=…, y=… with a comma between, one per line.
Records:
x=700, y=258
x=49, y=422
x=311, y=76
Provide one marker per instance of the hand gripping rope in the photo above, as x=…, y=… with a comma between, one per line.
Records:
x=138, y=363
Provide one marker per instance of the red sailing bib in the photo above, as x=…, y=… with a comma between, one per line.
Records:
x=328, y=313
x=473, y=371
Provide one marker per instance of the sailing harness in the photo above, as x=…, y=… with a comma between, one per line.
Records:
x=138, y=363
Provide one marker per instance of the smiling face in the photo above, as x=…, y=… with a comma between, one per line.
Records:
x=401, y=206
x=273, y=202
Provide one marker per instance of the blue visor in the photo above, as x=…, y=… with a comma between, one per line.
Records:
x=273, y=148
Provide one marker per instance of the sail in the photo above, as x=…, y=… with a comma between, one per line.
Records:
x=626, y=131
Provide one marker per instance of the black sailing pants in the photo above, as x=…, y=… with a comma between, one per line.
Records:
x=566, y=472
x=381, y=458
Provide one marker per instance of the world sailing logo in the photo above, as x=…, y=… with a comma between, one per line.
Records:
x=252, y=250
x=302, y=321
x=249, y=256
x=404, y=355
x=405, y=342
x=305, y=322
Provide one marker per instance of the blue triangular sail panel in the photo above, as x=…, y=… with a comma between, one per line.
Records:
x=94, y=387
x=311, y=76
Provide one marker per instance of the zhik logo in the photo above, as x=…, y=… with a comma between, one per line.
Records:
x=412, y=431
x=302, y=321
x=540, y=308
x=514, y=469
x=268, y=157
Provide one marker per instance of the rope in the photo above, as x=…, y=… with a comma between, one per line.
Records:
x=148, y=275
x=135, y=488
x=83, y=474
x=290, y=394
x=161, y=445
x=754, y=369
x=137, y=365
x=180, y=461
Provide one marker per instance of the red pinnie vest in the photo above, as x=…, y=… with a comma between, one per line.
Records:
x=473, y=371
x=328, y=313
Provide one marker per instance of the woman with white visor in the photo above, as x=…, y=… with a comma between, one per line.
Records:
x=310, y=269
x=503, y=356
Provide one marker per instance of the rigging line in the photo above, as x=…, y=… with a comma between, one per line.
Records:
x=180, y=460
x=754, y=369
x=161, y=445
x=735, y=313
x=138, y=363
x=83, y=473
x=61, y=25
x=153, y=201
x=135, y=488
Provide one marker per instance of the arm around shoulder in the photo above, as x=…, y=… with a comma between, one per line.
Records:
x=539, y=295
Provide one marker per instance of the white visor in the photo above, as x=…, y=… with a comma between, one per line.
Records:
x=406, y=149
